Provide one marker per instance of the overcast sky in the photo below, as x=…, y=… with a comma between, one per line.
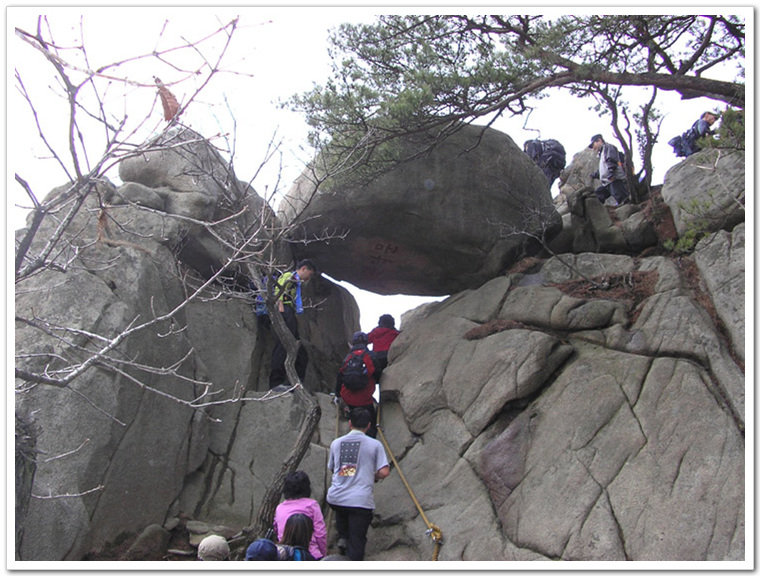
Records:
x=275, y=53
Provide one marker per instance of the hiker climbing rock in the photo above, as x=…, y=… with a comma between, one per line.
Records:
x=295, y=539
x=549, y=155
x=289, y=303
x=381, y=338
x=297, y=500
x=356, y=462
x=355, y=382
x=686, y=144
x=611, y=172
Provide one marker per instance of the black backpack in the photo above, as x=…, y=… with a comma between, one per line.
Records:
x=554, y=152
x=354, y=371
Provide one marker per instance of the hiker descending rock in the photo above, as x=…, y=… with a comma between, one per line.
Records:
x=549, y=155
x=357, y=462
x=355, y=383
x=686, y=144
x=381, y=338
x=611, y=172
x=289, y=303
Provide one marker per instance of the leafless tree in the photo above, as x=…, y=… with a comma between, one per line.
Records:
x=243, y=228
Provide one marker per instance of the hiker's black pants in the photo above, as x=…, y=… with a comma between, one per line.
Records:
x=616, y=188
x=380, y=360
x=277, y=374
x=352, y=524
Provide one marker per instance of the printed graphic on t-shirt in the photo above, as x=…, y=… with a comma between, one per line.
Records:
x=349, y=458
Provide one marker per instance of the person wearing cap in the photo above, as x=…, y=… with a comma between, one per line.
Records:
x=356, y=462
x=289, y=303
x=359, y=398
x=611, y=172
x=686, y=144
x=213, y=548
x=262, y=550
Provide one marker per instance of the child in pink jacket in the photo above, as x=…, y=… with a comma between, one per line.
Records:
x=296, y=493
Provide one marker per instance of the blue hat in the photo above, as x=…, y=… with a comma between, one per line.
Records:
x=359, y=337
x=262, y=549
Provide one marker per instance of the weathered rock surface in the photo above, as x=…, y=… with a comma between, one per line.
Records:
x=576, y=176
x=446, y=221
x=618, y=446
x=720, y=258
x=536, y=417
x=589, y=226
x=129, y=454
x=179, y=173
x=706, y=190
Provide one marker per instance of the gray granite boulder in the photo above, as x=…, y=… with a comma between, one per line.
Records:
x=720, y=258
x=447, y=220
x=706, y=191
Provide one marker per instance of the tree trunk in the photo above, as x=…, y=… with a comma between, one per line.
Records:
x=265, y=516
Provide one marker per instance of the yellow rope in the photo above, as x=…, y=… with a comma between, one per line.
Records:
x=328, y=520
x=433, y=530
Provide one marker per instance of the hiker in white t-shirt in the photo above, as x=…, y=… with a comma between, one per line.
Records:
x=357, y=462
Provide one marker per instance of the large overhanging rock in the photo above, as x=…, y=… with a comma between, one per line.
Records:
x=449, y=220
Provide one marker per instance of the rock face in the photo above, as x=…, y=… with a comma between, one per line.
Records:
x=127, y=455
x=706, y=191
x=587, y=225
x=588, y=407
x=446, y=221
x=572, y=428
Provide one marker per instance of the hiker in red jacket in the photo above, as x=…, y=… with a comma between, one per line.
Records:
x=381, y=339
x=356, y=379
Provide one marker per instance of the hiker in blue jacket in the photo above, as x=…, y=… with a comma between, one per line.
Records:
x=686, y=144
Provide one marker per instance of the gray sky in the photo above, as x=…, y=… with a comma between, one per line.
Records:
x=276, y=53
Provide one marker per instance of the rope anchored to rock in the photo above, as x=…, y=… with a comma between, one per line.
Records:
x=432, y=530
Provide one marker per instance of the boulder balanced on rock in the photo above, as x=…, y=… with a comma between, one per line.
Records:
x=449, y=220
